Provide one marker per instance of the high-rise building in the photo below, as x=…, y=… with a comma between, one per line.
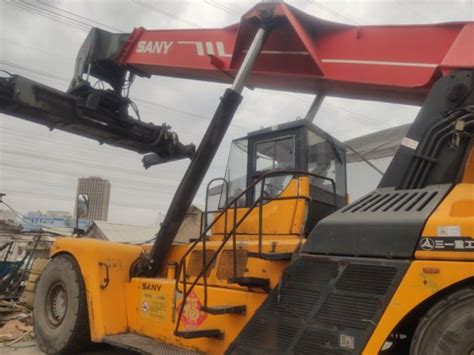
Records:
x=98, y=191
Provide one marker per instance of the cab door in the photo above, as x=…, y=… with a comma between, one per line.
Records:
x=271, y=152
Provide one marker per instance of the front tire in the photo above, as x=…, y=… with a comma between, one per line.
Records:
x=448, y=327
x=60, y=317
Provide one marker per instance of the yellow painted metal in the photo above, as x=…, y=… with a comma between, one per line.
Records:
x=423, y=279
x=148, y=306
x=255, y=267
x=107, y=306
x=456, y=212
x=417, y=286
x=152, y=306
x=279, y=216
x=118, y=308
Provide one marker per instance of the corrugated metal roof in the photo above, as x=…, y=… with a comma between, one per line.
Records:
x=377, y=145
x=122, y=233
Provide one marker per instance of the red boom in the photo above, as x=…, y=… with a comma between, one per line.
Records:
x=307, y=54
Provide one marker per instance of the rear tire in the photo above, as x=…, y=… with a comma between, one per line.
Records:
x=60, y=317
x=448, y=327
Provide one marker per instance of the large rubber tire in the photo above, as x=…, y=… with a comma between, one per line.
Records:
x=60, y=317
x=448, y=327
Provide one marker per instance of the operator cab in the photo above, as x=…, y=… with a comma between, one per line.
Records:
x=297, y=146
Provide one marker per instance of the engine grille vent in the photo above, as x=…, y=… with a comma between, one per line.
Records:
x=347, y=311
x=384, y=223
x=314, y=341
x=195, y=265
x=331, y=317
x=392, y=201
x=225, y=269
x=293, y=302
x=268, y=336
x=366, y=278
x=311, y=274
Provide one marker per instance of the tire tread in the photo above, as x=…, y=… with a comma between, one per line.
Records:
x=80, y=332
x=434, y=313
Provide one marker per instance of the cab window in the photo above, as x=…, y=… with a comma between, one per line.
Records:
x=236, y=172
x=276, y=154
x=325, y=160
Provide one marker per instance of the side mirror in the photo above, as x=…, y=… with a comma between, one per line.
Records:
x=82, y=205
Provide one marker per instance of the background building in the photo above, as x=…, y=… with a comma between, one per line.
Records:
x=98, y=191
x=34, y=221
x=124, y=233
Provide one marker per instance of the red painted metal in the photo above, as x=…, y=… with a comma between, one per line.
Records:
x=306, y=54
x=129, y=44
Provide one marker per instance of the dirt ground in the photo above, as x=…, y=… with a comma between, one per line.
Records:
x=29, y=348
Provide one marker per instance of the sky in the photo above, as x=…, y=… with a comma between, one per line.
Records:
x=40, y=39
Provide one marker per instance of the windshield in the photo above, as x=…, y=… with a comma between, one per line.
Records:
x=236, y=172
x=275, y=154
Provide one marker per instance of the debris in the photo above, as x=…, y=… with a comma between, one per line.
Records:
x=15, y=330
x=15, y=323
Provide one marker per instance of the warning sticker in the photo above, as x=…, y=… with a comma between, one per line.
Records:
x=154, y=303
x=409, y=143
x=449, y=231
x=192, y=315
x=347, y=341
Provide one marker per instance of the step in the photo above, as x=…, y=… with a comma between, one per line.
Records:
x=251, y=282
x=145, y=345
x=225, y=309
x=270, y=256
x=200, y=333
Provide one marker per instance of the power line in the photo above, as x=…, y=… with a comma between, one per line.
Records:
x=326, y=105
x=149, y=6
x=27, y=7
x=160, y=178
x=34, y=71
x=85, y=18
x=56, y=53
x=405, y=6
x=70, y=186
x=333, y=12
x=73, y=155
x=222, y=7
x=79, y=148
x=162, y=106
x=69, y=199
x=146, y=102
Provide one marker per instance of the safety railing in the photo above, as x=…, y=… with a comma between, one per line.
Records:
x=227, y=235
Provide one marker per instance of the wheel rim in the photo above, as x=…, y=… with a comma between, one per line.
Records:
x=469, y=350
x=56, y=304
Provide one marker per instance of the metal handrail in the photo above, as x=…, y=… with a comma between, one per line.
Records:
x=225, y=185
x=236, y=225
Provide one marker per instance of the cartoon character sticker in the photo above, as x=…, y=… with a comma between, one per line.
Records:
x=193, y=315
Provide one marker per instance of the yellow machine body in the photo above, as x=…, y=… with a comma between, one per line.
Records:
x=435, y=270
x=149, y=306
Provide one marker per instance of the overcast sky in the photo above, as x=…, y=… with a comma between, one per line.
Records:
x=39, y=169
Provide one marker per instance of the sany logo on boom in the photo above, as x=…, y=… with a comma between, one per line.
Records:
x=201, y=48
x=154, y=47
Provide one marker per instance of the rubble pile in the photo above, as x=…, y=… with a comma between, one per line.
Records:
x=15, y=324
